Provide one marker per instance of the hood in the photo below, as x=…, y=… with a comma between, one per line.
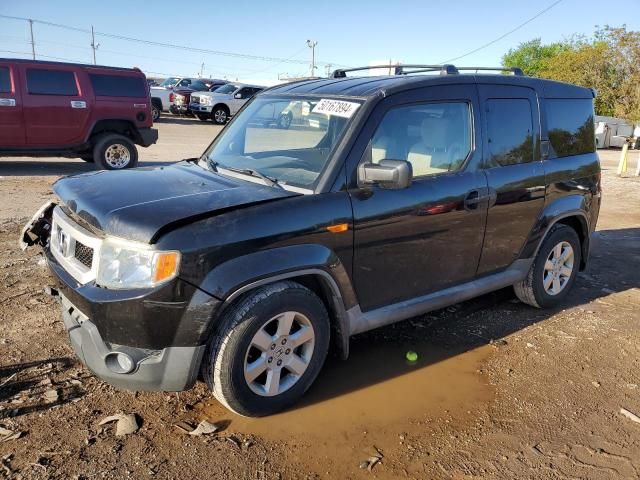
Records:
x=211, y=94
x=138, y=204
x=160, y=88
x=183, y=90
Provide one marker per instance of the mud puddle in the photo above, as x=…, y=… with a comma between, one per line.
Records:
x=376, y=398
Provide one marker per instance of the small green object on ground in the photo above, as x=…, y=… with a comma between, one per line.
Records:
x=412, y=356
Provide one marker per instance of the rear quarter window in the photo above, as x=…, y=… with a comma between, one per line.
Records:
x=5, y=80
x=117, y=86
x=570, y=126
x=51, y=82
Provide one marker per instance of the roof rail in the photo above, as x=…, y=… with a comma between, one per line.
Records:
x=513, y=70
x=445, y=69
x=398, y=69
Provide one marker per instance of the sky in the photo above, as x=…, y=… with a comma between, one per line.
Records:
x=347, y=32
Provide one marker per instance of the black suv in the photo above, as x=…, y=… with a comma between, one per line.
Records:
x=385, y=198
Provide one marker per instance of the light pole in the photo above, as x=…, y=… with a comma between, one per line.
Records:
x=94, y=46
x=312, y=46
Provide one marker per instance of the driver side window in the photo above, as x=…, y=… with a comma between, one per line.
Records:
x=433, y=137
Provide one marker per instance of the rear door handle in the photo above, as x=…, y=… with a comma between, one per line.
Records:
x=78, y=104
x=7, y=102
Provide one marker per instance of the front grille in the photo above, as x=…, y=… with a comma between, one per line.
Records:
x=74, y=247
x=84, y=254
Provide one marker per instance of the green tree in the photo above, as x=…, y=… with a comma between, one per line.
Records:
x=532, y=56
x=608, y=62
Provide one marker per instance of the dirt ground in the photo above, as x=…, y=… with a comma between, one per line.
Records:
x=500, y=390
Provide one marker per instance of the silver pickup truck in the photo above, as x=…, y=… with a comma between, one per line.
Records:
x=223, y=103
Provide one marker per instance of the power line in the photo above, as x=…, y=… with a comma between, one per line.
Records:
x=504, y=35
x=162, y=44
x=43, y=56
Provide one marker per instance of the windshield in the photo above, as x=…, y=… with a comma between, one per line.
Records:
x=228, y=88
x=169, y=82
x=287, y=139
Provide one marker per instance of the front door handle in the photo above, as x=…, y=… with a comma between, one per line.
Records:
x=78, y=104
x=7, y=102
x=475, y=197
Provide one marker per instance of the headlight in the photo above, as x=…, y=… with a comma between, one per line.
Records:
x=205, y=100
x=124, y=265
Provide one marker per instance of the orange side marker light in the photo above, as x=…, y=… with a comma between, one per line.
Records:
x=339, y=228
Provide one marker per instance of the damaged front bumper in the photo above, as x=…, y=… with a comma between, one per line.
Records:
x=170, y=369
x=143, y=339
x=38, y=229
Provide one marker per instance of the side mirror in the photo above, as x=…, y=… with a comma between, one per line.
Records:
x=238, y=96
x=393, y=174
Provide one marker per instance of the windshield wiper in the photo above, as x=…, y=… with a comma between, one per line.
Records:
x=211, y=163
x=254, y=173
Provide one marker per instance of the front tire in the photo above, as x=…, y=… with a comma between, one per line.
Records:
x=284, y=121
x=115, y=152
x=272, y=344
x=554, y=269
x=220, y=114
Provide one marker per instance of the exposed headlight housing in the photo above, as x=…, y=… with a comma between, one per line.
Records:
x=126, y=265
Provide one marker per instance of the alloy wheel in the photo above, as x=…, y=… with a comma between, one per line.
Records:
x=220, y=116
x=279, y=354
x=558, y=268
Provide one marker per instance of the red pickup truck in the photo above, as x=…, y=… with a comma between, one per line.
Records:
x=91, y=112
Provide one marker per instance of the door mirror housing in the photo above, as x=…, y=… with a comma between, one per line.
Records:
x=238, y=96
x=392, y=174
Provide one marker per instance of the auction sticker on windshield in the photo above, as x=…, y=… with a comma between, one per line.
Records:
x=338, y=108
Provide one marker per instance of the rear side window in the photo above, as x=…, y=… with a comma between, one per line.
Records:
x=117, y=86
x=509, y=131
x=5, y=80
x=570, y=126
x=51, y=82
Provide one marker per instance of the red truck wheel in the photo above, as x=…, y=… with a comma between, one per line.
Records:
x=115, y=152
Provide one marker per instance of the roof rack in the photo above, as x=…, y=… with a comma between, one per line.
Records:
x=445, y=69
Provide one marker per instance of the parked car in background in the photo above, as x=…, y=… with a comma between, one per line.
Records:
x=182, y=95
x=223, y=103
x=52, y=109
x=244, y=266
x=163, y=96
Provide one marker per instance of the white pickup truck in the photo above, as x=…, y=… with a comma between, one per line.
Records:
x=222, y=103
x=162, y=96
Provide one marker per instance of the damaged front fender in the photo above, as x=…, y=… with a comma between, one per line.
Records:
x=38, y=230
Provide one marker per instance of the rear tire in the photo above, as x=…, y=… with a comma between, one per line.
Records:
x=270, y=348
x=156, y=111
x=115, y=152
x=554, y=269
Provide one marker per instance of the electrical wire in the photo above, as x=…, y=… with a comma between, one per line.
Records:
x=504, y=35
x=245, y=56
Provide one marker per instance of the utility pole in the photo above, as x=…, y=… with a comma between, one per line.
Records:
x=328, y=68
x=94, y=47
x=33, y=44
x=312, y=46
x=201, y=69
